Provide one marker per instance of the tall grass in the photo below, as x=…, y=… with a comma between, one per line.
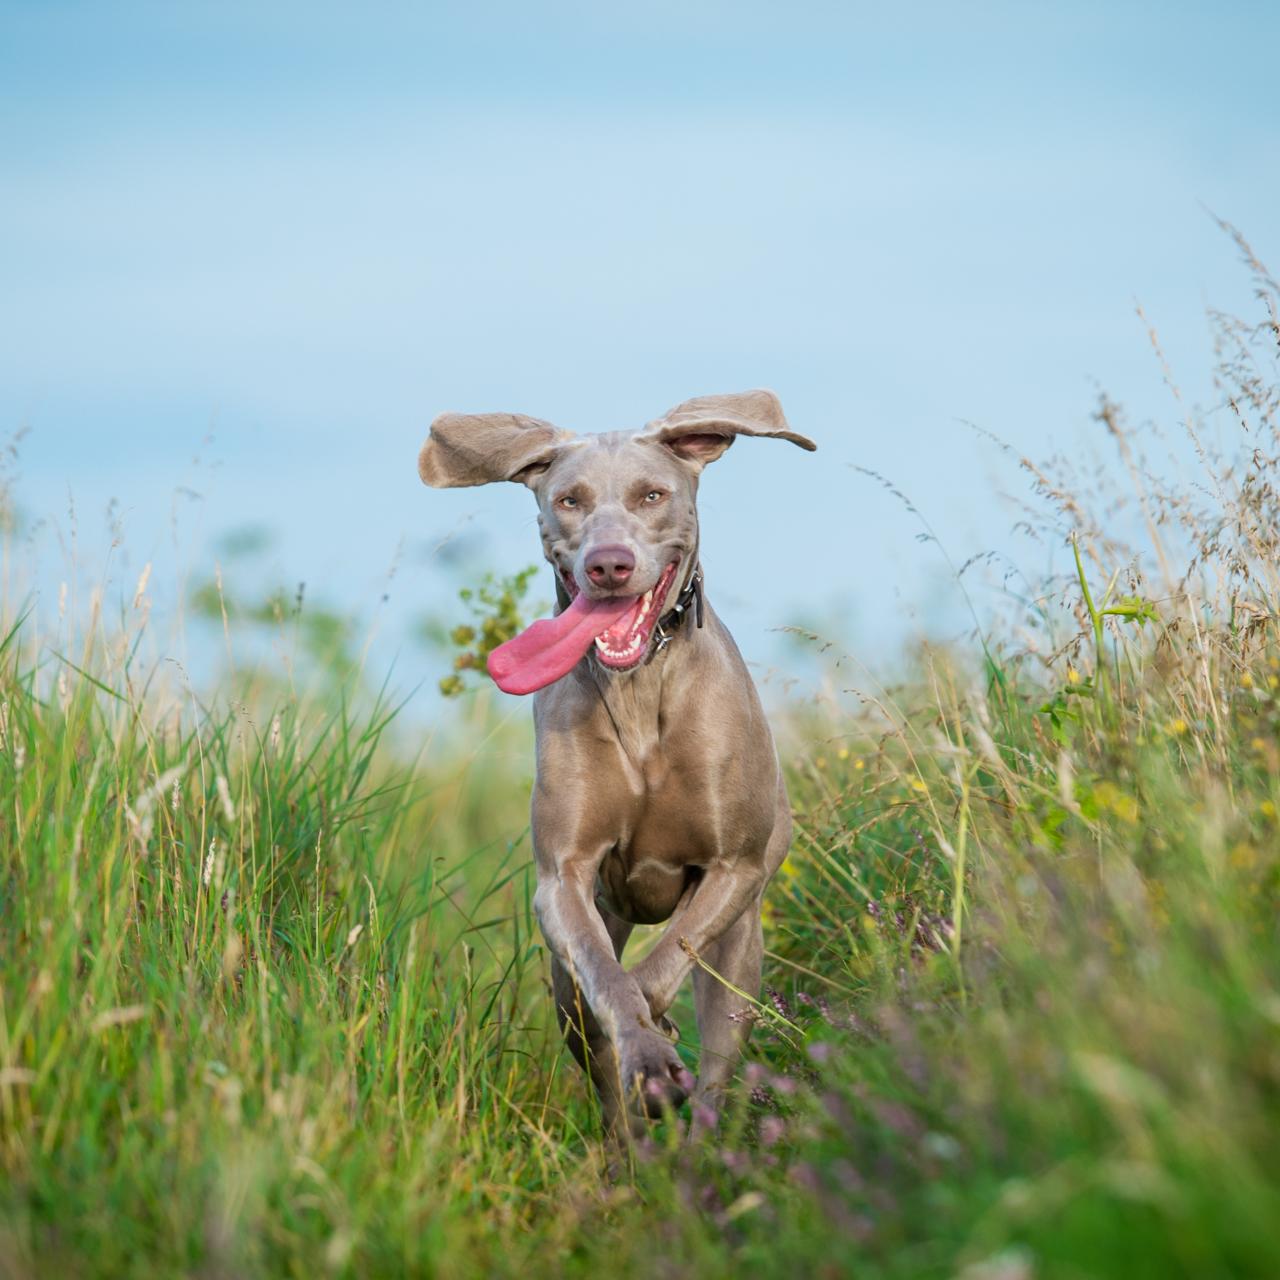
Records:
x=272, y=1000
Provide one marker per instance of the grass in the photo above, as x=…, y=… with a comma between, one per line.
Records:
x=273, y=1002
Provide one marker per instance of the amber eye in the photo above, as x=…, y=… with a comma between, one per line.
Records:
x=654, y=495
x=568, y=502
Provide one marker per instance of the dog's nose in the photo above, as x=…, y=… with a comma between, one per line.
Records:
x=610, y=566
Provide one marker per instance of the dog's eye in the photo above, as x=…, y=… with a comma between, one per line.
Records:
x=654, y=495
x=568, y=502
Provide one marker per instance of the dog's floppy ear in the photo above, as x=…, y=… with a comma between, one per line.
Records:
x=700, y=430
x=479, y=448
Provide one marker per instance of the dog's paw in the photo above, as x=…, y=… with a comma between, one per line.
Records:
x=653, y=1072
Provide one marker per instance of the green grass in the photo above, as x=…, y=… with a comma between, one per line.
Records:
x=327, y=1045
x=273, y=1000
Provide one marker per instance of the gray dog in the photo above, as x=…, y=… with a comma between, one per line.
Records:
x=658, y=796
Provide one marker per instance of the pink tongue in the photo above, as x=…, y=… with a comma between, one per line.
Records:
x=552, y=647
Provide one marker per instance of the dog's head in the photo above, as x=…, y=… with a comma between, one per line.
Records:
x=618, y=510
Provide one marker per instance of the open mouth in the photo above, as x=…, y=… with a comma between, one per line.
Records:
x=547, y=649
x=626, y=642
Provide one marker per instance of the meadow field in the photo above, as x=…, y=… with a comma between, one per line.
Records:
x=273, y=1001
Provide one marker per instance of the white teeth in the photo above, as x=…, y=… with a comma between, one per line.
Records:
x=632, y=648
x=637, y=639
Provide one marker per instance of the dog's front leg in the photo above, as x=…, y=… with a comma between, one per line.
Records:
x=648, y=1063
x=720, y=924
x=723, y=894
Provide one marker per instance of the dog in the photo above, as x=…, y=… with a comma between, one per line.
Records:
x=659, y=796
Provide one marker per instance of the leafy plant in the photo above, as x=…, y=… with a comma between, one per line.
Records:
x=496, y=609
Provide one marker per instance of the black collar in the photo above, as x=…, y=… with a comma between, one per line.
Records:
x=691, y=595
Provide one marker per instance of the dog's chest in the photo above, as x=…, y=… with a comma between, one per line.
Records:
x=682, y=822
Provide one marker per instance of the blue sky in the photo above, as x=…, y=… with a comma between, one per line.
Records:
x=304, y=230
